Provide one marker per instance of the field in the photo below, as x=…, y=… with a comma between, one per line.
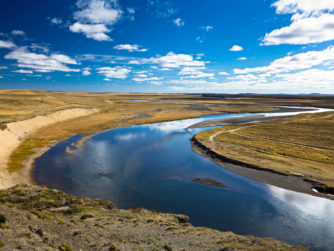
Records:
x=300, y=145
x=119, y=110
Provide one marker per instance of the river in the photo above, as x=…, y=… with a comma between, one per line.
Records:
x=153, y=165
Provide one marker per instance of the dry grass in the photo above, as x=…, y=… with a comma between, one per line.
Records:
x=117, y=110
x=302, y=144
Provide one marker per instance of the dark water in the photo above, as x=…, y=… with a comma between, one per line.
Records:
x=152, y=166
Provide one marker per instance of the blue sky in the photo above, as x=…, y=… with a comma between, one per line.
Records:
x=218, y=46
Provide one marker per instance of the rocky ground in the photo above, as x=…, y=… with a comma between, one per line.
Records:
x=38, y=218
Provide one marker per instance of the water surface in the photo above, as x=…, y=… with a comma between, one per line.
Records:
x=152, y=166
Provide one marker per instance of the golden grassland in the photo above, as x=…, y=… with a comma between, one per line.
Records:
x=115, y=110
x=118, y=110
x=302, y=144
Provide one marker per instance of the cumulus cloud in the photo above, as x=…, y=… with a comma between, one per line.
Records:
x=236, y=48
x=305, y=6
x=24, y=71
x=223, y=73
x=86, y=71
x=303, y=31
x=193, y=72
x=178, y=22
x=7, y=44
x=18, y=32
x=130, y=47
x=300, y=73
x=98, y=11
x=172, y=60
x=41, y=62
x=299, y=61
x=146, y=79
x=3, y=67
x=242, y=58
x=311, y=22
x=114, y=72
x=94, y=31
x=95, y=17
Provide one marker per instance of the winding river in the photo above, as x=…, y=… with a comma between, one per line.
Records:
x=153, y=165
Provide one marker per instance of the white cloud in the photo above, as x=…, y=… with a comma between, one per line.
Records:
x=156, y=82
x=37, y=47
x=178, y=22
x=308, y=81
x=114, y=72
x=193, y=72
x=306, y=6
x=24, y=71
x=41, y=62
x=172, y=60
x=142, y=75
x=311, y=22
x=242, y=58
x=191, y=82
x=1, y=76
x=86, y=71
x=147, y=79
x=94, y=31
x=7, y=44
x=236, y=48
x=223, y=73
x=141, y=72
x=56, y=20
x=130, y=47
x=3, y=67
x=18, y=32
x=95, y=17
x=199, y=55
x=98, y=12
x=207, y=28
x=303, y=31
x=299, y=61
x=136, y=62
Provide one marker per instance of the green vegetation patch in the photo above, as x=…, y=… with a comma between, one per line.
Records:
x=24, y=150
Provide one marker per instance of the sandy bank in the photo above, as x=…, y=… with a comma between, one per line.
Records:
x=16, y=132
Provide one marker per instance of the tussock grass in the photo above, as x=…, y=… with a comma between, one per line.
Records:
x=302, y=144
x=25, y=149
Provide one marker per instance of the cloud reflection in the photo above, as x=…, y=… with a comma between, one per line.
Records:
x=311, y=205
x=174, y=125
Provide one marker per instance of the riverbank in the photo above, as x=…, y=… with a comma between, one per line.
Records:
x=281, y=152
x=16, y=132
x=38, y=218
x=30, y=123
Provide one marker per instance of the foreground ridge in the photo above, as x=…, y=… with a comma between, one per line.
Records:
x=38, y=218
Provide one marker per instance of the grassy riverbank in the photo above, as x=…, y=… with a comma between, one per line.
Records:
x=37, y=218
x=118, y=110
x=302, y=145
x=112, y=111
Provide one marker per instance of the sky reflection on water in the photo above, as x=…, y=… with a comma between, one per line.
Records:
x=153, y=166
